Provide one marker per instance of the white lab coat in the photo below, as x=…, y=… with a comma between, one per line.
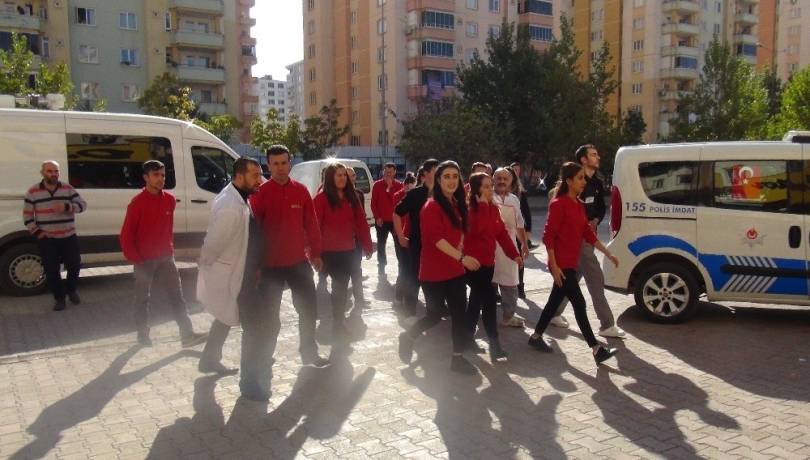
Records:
x=506, y=270
x=223, y=254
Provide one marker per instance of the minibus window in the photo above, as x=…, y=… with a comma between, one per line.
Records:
x=212, y=168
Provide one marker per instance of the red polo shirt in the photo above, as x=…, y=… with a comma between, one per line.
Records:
x=566, y=227
x=434, y=264
x=382, y=199
x=288, y=221
x=340, y=225
x=485, y=228
x=148, y=228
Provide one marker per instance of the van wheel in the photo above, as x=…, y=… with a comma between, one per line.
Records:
x=21, y=271
x=667, y=293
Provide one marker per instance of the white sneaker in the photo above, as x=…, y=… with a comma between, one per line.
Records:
x=559, y=321
x=513, y=321
x=613, y=331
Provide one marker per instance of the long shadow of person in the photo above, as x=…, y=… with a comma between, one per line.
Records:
x=87, y=402
x=653, y=429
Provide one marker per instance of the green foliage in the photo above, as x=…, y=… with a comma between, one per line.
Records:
x=454, y=128
x=56, y=81
x=222, y=126
x=166, y=97
x=322, y=132
x=795, y=110
x=264, y=134
x=16, y=64
x=729, y=103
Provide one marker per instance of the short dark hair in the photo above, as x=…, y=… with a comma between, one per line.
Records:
x=390, y=165
x=240, y=166
x=477, y=164
x=152, y=165
x=277, y=149
x=430, y=164
x=410, y=178
x=582, y=152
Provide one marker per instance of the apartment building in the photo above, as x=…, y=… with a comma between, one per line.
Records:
x=115, y=48
x=295, y=90
x=272, y=95
x=377, y=57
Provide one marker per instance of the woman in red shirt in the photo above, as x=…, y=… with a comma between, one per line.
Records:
x=443, y=220
x=341, y=220
x=485, y=229
x=566, y=227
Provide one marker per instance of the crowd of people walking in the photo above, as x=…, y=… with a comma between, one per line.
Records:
x=265, y=235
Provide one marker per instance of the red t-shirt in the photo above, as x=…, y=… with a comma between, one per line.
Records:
x=339, y=226
x=382, y=199
x=434, y=264
x=566, y=227
x=148, y=227
x=485, y=228
x=288, y=221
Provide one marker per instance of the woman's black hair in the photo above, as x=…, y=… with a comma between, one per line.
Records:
x=458, y=196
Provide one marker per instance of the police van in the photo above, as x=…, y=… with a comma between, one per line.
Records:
x=730, y=220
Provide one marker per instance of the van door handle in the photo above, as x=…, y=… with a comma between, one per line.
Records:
x=199, y=201
x=794, y=236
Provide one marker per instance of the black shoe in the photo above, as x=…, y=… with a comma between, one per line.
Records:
x=74, y=298
x=216, y=368
x=540, y=344
x=144, y=340
x=521, y=292
x=603, y=354
x=462, y=366
x=532, y=246
x=258, y=395
x=405, y=348
x=60, y=305
x=195, y=338
x=314, y=359
x=475, y=348
x=498, y=298
x=495, y=350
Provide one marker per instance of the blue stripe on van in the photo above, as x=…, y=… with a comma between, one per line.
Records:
x=650, y=242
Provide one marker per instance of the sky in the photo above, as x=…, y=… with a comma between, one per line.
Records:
x=279, y=33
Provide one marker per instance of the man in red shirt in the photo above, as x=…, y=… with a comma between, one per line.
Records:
x=382, y=207
x=283, y=208
x=146, y=240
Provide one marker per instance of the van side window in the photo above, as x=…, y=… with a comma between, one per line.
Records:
x=669, y=182
x=751, y=185
x=104, y=161
x=212, y=168
x=362, y=182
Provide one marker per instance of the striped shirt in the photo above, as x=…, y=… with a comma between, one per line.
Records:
x=39, y=215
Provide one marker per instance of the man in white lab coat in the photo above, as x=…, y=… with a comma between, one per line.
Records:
x=228, y=282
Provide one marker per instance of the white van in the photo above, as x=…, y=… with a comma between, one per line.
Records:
x=100, y=154
x=310, y=173
x=728, y=219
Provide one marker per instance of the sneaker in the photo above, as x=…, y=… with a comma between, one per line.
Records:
x=74, y=298
x=513, y=321
x=532, y=246
x=216, y=368
x=540, y=344
x=60, y=305
x=603, y=354
x=314, y=359
x=405, y=349
x=495, y=350
x=613, y=331
x=462, y=366
x=195, y=338
x=559, y=321
x=144, y=340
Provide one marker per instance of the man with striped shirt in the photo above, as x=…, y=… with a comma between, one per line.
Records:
x=48, y=213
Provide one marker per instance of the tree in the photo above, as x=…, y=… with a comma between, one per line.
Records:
x=729, y=102
x=273, y=131
x=56, y=81
x=16, y=64
x=773, y=84
x=322, y=132
x=166, y=97
x=222, y=126
x=795, y=111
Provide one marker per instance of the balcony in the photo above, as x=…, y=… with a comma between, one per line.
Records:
x=247, y=40
x=213, y=7
x=681, y=28
x=22, y=22
x=420, y=91
x=191, y=39
x=750, y=60
x=247, y=21
x=199, y=74
x=681, y=6
x=250, y=98
x=746, y=38
x=673, y=95
x=212, y=108
x=746, y=19
x=249, y=60
x=680, y=73
x=248, y=3
x=689, y=51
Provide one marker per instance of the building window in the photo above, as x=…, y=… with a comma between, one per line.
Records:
x=447, y=78
x=495, y=6
x=438, y=49
x=638, y=23
x=355, y=140
x=86, y=16
x=437, y=19
x=311, y=27
x=127, y=20
x=718, y=6
x=539, y=7
x=638, y=66
x=637, y=88
x=382, y=26
x=471, y=55
x=88, y=54
x=312, y=99
x=90, y=91
x=682, y=62
x=638, y=45
x=638, y=2
x=795, y=31
x=717, y=29
x=131, y=93
x=354, y=42
x=355, y=92
x=381, y=2
x=472, y=4
x=46, y=48
x=167, y=20
x=540, y=33
x=354, y=66
x=795, y=13
x=382, y=82
x=381, y=55
x=472, y=29
x=793, y=49
x=129, y=56
x=311, y=4
x=355, y=117
x=311, y=74
x=494, y=31
x=705, y=4
x=353, y=17
x=634, y=108
x=311, y=51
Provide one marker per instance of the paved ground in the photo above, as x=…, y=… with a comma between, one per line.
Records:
x=731, y=383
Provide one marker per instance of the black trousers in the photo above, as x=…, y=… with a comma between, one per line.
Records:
x=338, y=265
x=411, y=294
x=570, y=289
x=54, y=253
x=454, y=293
x=383, y=231
x=403, y=270
x=357, y=274
x=482, y=300
x=299, y=278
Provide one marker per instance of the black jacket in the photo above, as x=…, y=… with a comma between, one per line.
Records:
x=594, y=197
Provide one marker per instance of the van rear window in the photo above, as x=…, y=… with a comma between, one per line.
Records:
x=670, y=182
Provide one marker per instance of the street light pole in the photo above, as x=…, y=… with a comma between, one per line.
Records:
x=384, y=83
